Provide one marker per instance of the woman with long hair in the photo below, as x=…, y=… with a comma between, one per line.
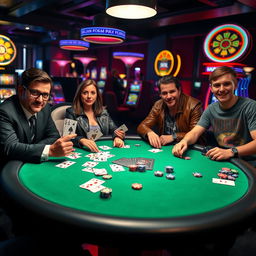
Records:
x=90, y=114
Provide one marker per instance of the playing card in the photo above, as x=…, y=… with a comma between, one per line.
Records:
x=105, y=147
x=117, y=168
x=90, y=155
x=155, y=150
x=90, y=164
x=99, y=158
x=93, y=185
x=94, y=134
x=123, y=161
x=123, y=127
x=65, y=164
x=69, y=126
x=99, y=172
x=126, y=146
x=96, y=188
x=74, y=156
x=88, y=169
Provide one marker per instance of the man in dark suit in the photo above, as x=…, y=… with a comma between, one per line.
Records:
x=25, y=140
x=29, y=139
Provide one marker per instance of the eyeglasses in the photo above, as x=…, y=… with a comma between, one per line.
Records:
x=36, y=94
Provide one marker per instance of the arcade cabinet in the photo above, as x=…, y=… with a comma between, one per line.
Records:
x=102, y=79
x=57, y=93
x=94, y=74
x=7, y=85
x=133, y=95
x=134, y=90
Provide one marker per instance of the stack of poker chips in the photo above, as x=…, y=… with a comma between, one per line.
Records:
x=141, y=167
x=138, y=167
x=228, y=174
x=106, y=193
x=169, y=170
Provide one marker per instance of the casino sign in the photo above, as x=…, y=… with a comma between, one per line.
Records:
x=164, y=63
x=7, y=50
x=226, y=43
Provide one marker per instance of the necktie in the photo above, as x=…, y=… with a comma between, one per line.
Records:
x=32, y=123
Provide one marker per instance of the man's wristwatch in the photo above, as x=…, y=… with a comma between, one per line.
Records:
x=235, y=152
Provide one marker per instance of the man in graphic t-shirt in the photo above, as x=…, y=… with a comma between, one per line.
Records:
x=232, y=119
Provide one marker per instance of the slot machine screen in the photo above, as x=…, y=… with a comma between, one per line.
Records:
x=7, y=79
x=101, y=85
x=57, y=93
x=94, y=73
x=135, y=88
x=132, y=99
x=103, y=73
x=6, y=93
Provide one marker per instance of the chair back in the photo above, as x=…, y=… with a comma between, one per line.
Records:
x=58, y=115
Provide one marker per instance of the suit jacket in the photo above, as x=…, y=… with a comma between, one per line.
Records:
x=105, y=122
x=187, y=116
x=15, y=136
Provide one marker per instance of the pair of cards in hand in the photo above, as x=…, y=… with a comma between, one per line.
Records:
x=96, y=133
x=149, y=162
x=70, y=128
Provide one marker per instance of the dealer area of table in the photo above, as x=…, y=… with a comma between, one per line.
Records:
x=161, y=210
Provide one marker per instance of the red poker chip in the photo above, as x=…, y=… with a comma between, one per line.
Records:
x=137, y=186
x=226, y=169
x=132, y=168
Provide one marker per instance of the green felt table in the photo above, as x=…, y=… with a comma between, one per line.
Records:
x=161, y=206
x=159, y=198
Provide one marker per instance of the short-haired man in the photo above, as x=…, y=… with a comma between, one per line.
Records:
x=174, y=114
x=232, y=119
x=25, y=138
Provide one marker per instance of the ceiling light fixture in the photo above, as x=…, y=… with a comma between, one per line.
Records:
x=128, y=58
x=103, y=31
x=74, y=45
x=85, y=61
x=131, y=9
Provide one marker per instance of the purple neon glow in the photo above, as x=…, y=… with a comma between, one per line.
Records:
x=129, y=58
x=81, y=43
x=62, y=63
x=85, y=60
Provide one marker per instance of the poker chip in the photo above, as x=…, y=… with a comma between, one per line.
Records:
x=231, y=178
x=222, y=176
x=169, y=169
x=133, y=168
x=158, y=174
x=106, y=193
x=226, y=169
x=141, y=168
x=137, y=145
x=187, y=157
x=170, y=176
x=234, y=171
x=107, y=177
x=197, y=174
x=137, y=186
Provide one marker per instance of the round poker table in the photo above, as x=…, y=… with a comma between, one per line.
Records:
x=161, y=210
